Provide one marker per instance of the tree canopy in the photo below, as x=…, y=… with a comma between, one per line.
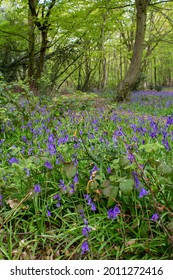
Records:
x=87, y=45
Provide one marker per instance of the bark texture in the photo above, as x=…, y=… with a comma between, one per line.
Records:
x=124, y=88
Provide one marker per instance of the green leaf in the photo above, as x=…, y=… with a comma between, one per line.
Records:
x=149, y=148
x=113, y=178
x=165, y=169
x=70, y=170
x=126, y=186
x=170, y=226
x=123, y=161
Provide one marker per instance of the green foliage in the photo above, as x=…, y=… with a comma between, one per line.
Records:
x=79, y=167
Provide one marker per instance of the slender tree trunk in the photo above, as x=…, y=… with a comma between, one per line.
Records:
x=31, y=48
x=125, y=86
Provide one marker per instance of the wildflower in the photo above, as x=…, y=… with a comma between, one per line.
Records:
x=48, y=213
x=90, y=202
x=118, y=132
x=72, y=188
x=136, y=179
x=58, y=198
x=113, y=212
x=0, y=199
x=130, y=157
x=155, y=217
x=27, y=171
x=59, y=159
x=48, y=165
x=37, y=188
x=62, y=185
x=85, y=247
x=109, y=169
x=93, y=206
x=76, y=179
x=95, y=168
x=143, y=192
x=51, y=149
x=85, y=231
x=24, y=138
x=13, y=160
x=51, y=138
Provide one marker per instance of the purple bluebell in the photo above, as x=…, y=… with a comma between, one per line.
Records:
x=85, y=231
x=62, y=185
x=109, y=169
x=57, y=196
x=48, y=165
x=37, y=188
x=118, y=132
x=13, y=160
x=51, y=138
x=51, y=149
x=27, y=171
x=143, y=192
x=136, y=179
x=76, y=179
x=113, y=212
x=166, y=144
x=90, y=202
x=85, y=247
x=130, y=157
x=48, y=213
x=24, y=138
x=0, y=199
x=155, y=217
x=72, y=188
x=95, y=168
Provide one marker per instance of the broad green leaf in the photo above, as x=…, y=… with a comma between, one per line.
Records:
x=123, y=161
x=113, y=178
x=70, y=170
x=151, y=147
x=126, y=186
x=165, y=169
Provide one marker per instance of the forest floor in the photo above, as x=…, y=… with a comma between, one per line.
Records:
x=86, y=178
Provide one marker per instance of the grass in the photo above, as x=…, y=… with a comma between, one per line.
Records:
x=82, y=177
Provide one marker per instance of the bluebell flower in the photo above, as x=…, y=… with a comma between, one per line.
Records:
x=109, y=169
x=136, y=179
x=13, y=160
x=113, y=212
x=62, y=185
x=90, y=202
x=76, y=179
x=27, y=171
x=48, y=213
x=51, y=138
x=85, y=231
x=48, y=165
x=85, y=247
x=24, y=139
x=155, y=217
x=143, y=193
x=0, y=199
x=51, y=149
x=37, y=188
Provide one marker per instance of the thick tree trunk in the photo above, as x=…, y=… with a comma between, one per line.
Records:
x=125, y=86
x=41, y=60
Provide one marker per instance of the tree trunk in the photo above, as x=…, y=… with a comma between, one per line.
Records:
x=31, y=49
x=125, y=86
x=41, y=60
